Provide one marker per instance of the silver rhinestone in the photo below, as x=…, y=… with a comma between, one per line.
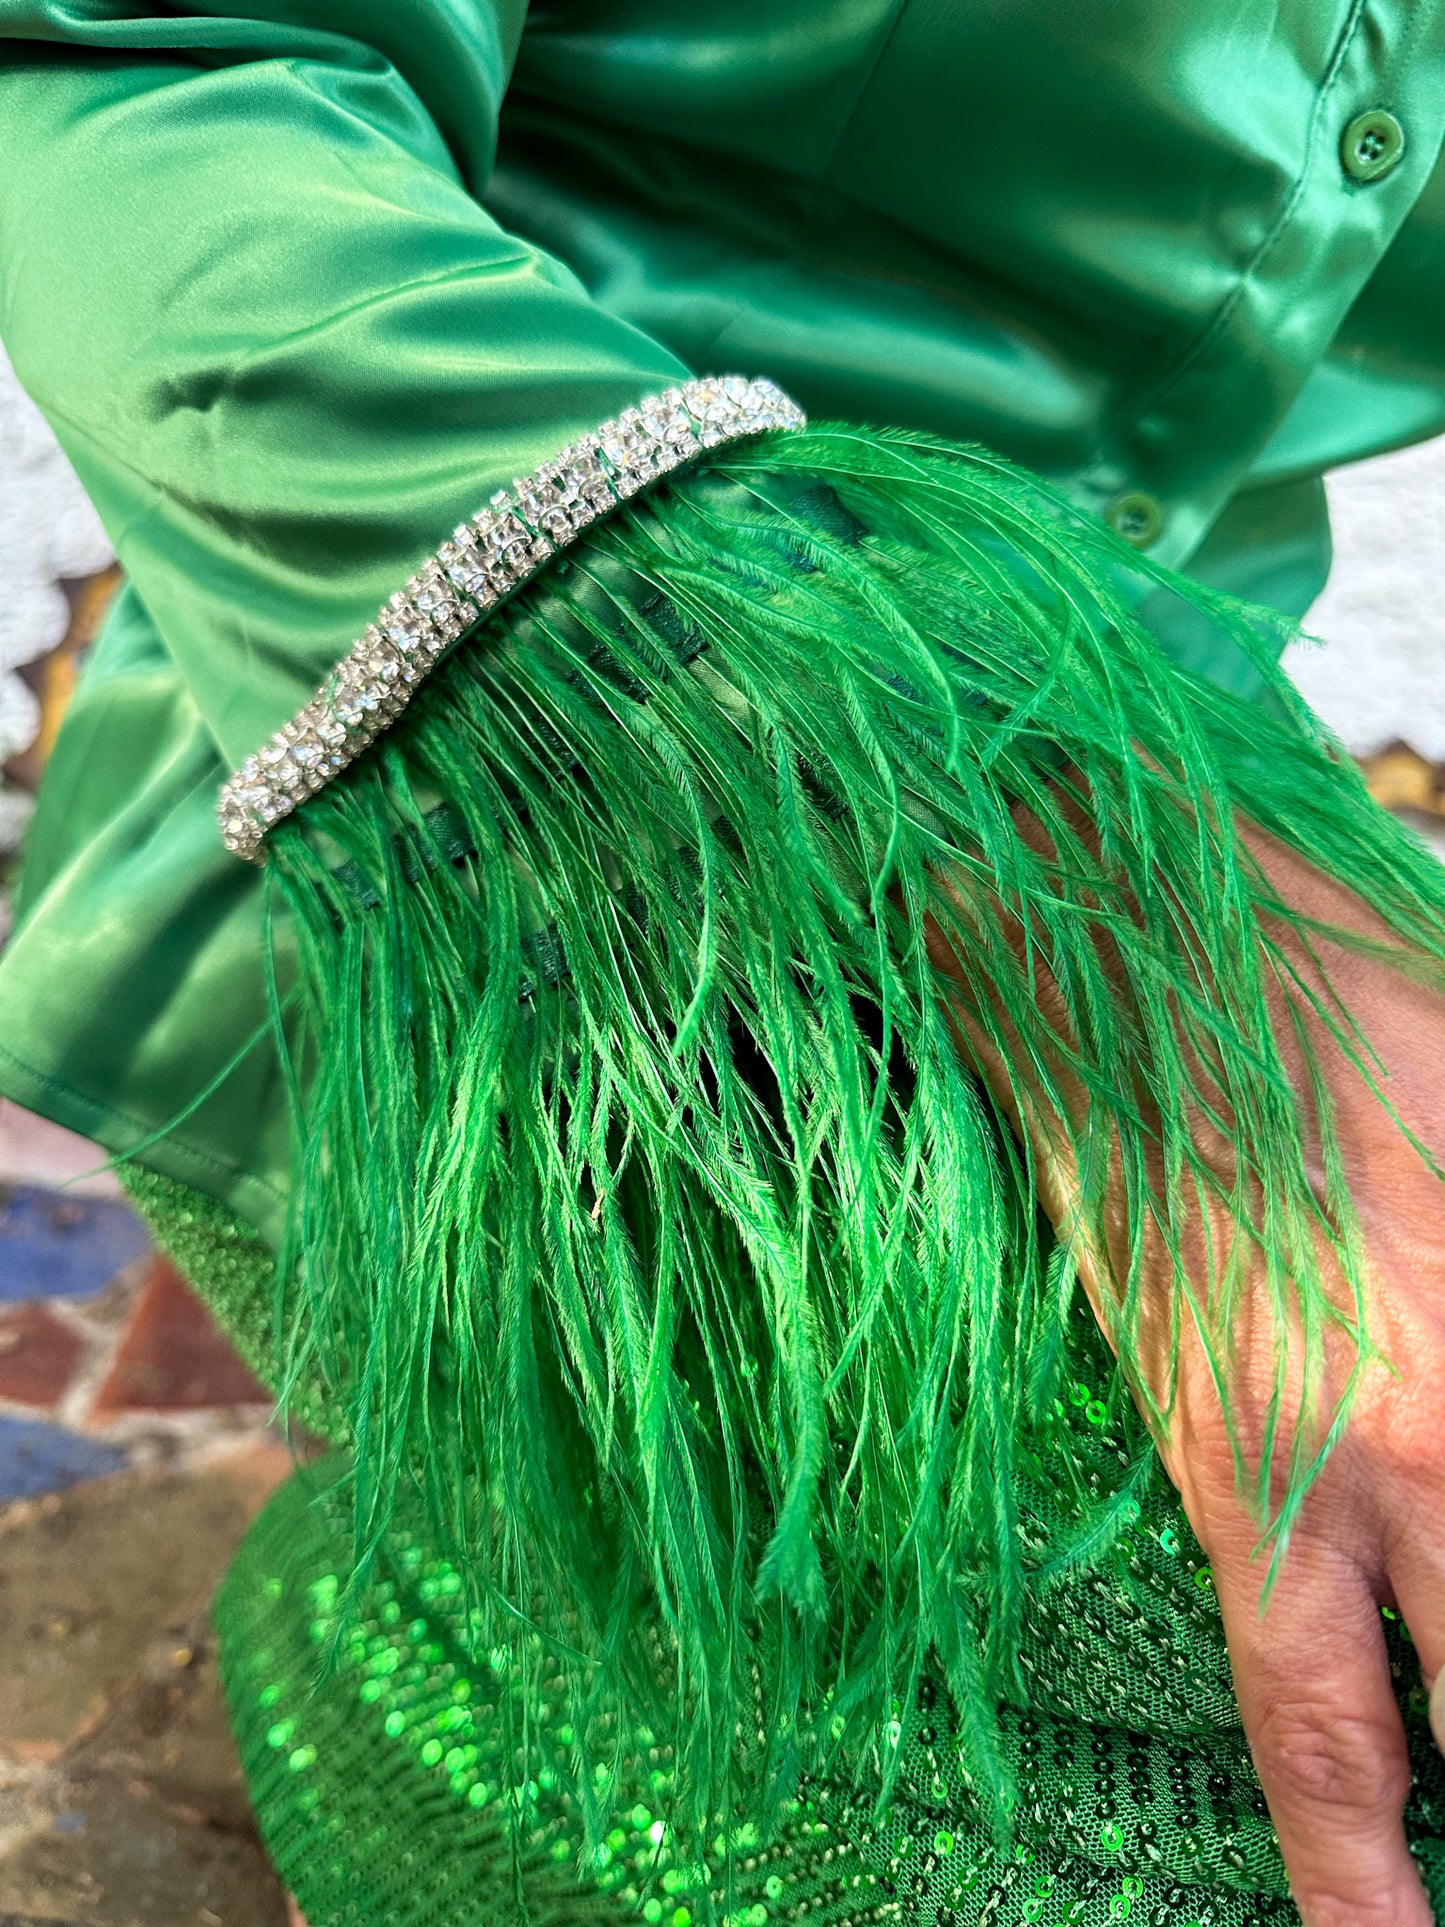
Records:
x=468, y=573
x=487, y=558
x=435, y=598
x=707, y=402
x=402, y=625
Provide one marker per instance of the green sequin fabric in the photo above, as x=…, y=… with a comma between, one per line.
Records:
x=236, y=1272
x=405, y=1776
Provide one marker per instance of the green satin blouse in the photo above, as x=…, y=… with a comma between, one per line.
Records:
x=299, y=286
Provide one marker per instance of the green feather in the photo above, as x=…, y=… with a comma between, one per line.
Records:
x=648, y=1219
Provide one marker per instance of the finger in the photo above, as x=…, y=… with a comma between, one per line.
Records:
x=1418, y=1582
x=1314, y=1692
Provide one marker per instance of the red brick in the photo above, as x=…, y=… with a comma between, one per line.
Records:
x=172, y=1357
x=38, y=1356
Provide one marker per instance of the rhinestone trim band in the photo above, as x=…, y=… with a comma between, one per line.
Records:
x=487, y=559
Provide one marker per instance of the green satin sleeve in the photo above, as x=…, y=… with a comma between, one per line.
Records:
x=286, y=350
x=300, y=284
x=282, y=343
x=134, y=978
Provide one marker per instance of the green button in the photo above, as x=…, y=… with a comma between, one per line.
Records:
x=1137, y=517
x=1372, y=146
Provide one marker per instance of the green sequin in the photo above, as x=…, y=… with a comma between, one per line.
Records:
x=1137, y=1802
x=397, y=1788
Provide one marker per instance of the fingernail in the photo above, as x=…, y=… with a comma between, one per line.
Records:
x=1437, y=1709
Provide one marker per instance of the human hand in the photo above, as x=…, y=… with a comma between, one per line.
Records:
x=1310, y=1665
x=1310, y=1670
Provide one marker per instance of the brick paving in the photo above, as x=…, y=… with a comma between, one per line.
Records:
x=40, y=1353
x=171, y=1357
x=134, y=1448
x=55, y=1245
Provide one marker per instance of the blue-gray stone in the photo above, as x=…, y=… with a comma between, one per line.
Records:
x=53, y=1245
x=36, y=1457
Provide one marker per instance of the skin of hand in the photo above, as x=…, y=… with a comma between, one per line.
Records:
x=1309, y=1664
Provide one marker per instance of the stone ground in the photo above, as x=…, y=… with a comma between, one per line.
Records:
x=134, y=1448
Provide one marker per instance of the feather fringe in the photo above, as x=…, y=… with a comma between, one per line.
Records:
x=649, y=1218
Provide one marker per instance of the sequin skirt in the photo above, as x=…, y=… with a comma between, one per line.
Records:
x=403, y=1776
x=386, y=1778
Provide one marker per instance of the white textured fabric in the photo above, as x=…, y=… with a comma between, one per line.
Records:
x=1378, y=673
x=19, y=711
x=48, y=531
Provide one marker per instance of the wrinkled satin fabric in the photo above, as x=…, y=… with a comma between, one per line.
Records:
x=300, y=287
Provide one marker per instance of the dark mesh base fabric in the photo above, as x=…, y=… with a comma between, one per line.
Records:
x=412, y=1780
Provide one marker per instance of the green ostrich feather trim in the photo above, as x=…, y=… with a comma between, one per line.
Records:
x=649, y=1223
